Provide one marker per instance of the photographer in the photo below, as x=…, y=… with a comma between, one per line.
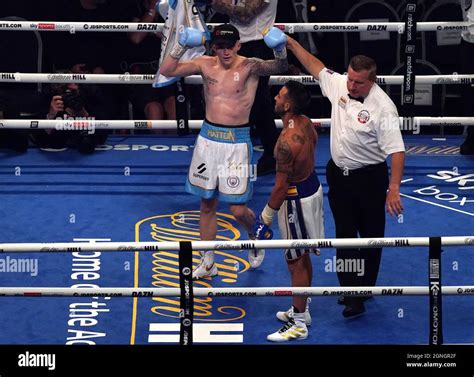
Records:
x=68, y=101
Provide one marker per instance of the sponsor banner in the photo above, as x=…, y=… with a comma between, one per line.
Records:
x=9, y=77
x=61, y=77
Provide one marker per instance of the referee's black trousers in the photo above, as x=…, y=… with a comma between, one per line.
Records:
x=357, y=201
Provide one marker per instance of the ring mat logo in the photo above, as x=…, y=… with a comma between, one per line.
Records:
x=459, y=195
x=184, y=225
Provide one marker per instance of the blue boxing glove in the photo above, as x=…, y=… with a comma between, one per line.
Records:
x=262, y=227
x=262, y=231
x=190, y=37
x=275, y=39
x=162, y=8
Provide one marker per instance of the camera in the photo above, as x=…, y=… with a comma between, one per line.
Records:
x=73, y=100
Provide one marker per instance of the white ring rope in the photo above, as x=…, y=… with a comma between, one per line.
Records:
x=90, y=124
x=234, y=292
x=127, y=78
x=234, y=245
x=73, y=27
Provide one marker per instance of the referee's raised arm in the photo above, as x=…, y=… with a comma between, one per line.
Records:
x=312, y=64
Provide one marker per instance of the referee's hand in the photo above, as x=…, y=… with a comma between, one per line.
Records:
x=393, y=202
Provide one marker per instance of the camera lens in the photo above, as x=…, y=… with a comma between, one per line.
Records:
x=73, y=100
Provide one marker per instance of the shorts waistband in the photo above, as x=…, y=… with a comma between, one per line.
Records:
x=303, y=189
x=225, y=125
x=225, y=134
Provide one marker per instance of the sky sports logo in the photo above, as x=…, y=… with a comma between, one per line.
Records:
x=457, y=196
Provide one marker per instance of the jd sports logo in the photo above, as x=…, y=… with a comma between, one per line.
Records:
x=201, y=168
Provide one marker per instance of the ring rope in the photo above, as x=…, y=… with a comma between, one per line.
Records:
x=433, y=290
x=234, y=245
x=89, y=123
x=235, y=292
x=73, y=27
x=127, y=78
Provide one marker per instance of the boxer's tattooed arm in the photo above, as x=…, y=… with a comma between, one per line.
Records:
x=298, y=139
x=309, y=131
x=261, y=67
x=284, y=160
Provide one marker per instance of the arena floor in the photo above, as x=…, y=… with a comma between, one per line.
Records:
x=132, y=189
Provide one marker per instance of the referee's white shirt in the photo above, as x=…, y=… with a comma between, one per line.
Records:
x=253, y=30
x=361, y=133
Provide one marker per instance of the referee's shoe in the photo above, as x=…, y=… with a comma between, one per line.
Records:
x=342, y=300
x=354, y=307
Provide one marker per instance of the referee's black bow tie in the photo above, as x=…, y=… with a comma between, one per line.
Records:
x=360, y=99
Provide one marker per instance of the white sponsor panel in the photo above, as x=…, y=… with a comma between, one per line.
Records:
x=202, y=333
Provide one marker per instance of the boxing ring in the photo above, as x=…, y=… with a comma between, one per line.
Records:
x=114, y=234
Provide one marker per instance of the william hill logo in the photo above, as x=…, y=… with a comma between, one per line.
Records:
x=308, y=79
x=163, y=270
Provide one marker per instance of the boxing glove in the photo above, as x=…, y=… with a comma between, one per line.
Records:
x=162, y=7
x=262, y=227
x=275, y=39
x=262, y=231
x=190, y=37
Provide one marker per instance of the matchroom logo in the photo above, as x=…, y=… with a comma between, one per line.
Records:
x=449, y=189
x=215, y=321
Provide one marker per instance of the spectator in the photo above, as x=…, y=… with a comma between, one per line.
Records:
x=92, y=52
x=153, y=103
x=69, y=101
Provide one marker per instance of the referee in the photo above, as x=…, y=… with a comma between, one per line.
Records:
x=364, y=132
